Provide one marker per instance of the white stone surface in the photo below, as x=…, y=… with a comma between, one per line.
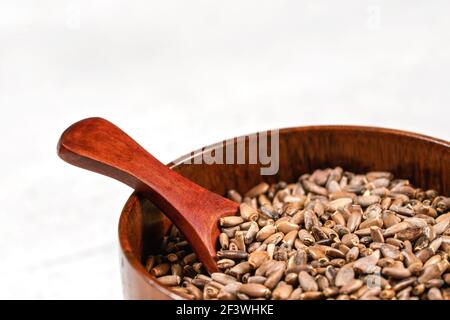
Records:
x=178, y=75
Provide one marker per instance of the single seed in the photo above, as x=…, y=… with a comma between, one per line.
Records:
x=350, y=240
x=230, y=232
x=434, y=283
x=334, y=253
x=239, y=240
x=354, y=220
x=233, y=246
x=274, y=238
x=268, y=213
x=405, y=294
x=256, y=279
x=447, y=278
x=242, y=296
x=222, y=278
x=338, y=218
x=395, y=242
x=371, y=294
x=314, y=188
x=352, y=254
x=351, y=286
x=251, y=233
x=396, y=273
x=310, y=219
x=416, y=268
x=282, y=291
x=431, y=272
x=306, y=237
x=434, y=259
x=365, y=201
x=190, y=258
x=296, y=294
x=248, y=212
x=257, y=258
x=172, y=280
x=176, y=269
x=200, y=282
x=339, y=204
x=225, y=263
x=224, y=295
x=287, y=227
x=311, y=295
x=257, y=190
x=409, y=257
x=386, y=262
x=160, y=270
x=232, y=254
x=425, y=254
x=265, y=202
x=344, y=276
x=435, y=244
x=376, y=234
x=194, y=291
x=390, y=251
x=367, y=264
x=240, y=269
x=265, y=232
x=274, y=278
x=230, y=221
x=387, y=294
x=291, y=278
x=234, y=195
x=372, y=222
x=253, y=246
x=441, y=226
x=404, y=284
x=435, y=294
x=316, y=252
x=224, y=241
x=373, y=175
x=330, y=292
x=290, y=238
x=341, y=230
x=307, y=282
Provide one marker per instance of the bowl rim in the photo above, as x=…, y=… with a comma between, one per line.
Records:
x=343, y=127
x=125, y=245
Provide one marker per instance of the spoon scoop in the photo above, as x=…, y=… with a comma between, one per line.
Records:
x=98, y=145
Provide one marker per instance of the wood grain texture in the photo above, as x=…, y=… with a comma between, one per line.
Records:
x=423, y=160
x=97, y=145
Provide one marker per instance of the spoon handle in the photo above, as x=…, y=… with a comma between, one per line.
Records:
x=98, y=145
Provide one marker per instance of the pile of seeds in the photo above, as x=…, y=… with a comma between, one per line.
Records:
x=332, y=235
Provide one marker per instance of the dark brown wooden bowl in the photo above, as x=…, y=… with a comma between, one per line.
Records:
x=423, y=160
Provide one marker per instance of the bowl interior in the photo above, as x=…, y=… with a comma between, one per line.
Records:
x=423, y=160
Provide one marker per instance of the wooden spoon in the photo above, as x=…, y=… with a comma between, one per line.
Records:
x=98, y=145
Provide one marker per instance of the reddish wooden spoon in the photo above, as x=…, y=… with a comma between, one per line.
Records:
x=98, y=145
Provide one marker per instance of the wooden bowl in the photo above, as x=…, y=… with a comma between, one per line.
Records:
x=423, y=160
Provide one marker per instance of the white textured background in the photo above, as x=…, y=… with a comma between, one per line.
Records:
x=178, y=75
